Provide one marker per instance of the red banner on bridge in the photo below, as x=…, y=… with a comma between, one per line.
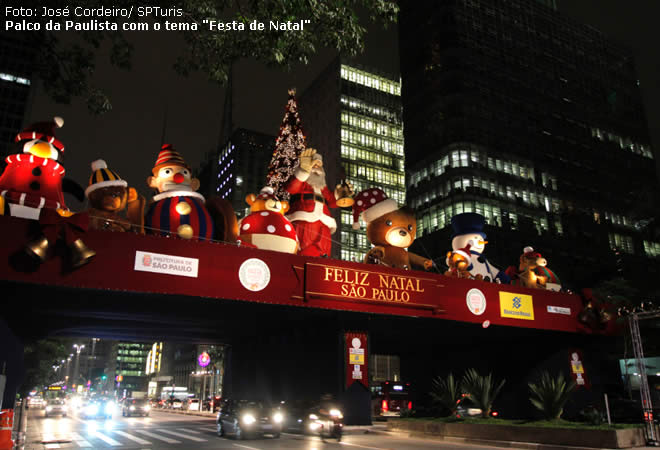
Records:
x=407, y=289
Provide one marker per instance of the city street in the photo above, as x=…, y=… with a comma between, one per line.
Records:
x=165, y=430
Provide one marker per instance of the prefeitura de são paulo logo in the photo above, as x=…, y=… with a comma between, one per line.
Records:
x=146, y=260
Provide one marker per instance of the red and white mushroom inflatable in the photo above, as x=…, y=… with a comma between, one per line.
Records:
x=268, y=230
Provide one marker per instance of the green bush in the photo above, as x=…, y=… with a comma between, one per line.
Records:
x=481, y=390
x=549, y=395
x=446, y=393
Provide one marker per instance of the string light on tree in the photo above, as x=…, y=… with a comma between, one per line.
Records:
x=289, y=144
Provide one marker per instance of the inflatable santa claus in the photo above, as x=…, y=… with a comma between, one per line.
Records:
x=310, y=205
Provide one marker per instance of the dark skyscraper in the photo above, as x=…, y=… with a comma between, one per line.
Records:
x=16, y=60
x=533, y=120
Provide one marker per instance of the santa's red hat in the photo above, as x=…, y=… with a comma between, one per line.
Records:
x=168, y=157
x=44, y=131
x=371, y=204
x=464, y=252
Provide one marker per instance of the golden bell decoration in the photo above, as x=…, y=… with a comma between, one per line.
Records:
x=185, y=231
x=345, y=199
x=38, y=248
x=80, y=253
x=183, y=208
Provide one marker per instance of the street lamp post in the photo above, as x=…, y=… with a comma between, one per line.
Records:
x=78, y=348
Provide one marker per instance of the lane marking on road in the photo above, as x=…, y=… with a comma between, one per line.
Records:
x=81, y=441
x=245, y=446
x=190, y=431
x=181, y=435
x=52, y=446
x=132, y=438
x=107, y=439
x=155, y=436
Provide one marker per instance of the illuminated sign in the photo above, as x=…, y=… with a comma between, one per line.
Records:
x=341, y=283
x=356, y=362
x=559, y=310
x=54, y=388
x=166, y=264
x=516, y=306
x=204, y=359
x=397, y=387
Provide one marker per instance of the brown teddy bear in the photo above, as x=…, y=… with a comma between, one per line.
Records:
x=526, y=275
x=109, y=196
x=390, y=229
x=459, y=264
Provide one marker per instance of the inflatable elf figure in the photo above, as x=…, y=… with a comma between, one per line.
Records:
x=31, y=186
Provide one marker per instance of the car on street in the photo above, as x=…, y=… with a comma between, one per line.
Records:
x=36, y=402
x=174, y=403
x=55, y=407
x=191, y=404
x=135, y=407
x=98, y=407
x=296, y=415
x=245, y=418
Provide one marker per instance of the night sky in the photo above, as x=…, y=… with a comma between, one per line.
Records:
x=129, y=136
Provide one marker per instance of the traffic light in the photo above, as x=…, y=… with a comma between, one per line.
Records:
x=104, y=377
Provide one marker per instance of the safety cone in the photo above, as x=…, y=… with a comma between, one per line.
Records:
x=6, y=425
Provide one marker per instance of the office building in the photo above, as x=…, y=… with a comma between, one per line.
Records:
x=241, y=167
x=16, y=67
x=533, y=120
x=352, y=116
x=129, y=371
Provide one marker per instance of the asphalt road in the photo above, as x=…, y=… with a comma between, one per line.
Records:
x=174, y=431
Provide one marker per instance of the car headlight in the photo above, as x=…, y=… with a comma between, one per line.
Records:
x=109, y=408
x=278, y=417
x=314, y=417
x=336, y=413
x=92, y=410
x=132, y=408
x=146, y=408
x=248, y=419
x=49, y=408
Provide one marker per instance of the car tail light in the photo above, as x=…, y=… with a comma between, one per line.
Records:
x=384, y=406
x=409, y=405
x=494, y=414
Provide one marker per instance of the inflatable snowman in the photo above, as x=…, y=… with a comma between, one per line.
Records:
x=468, y=230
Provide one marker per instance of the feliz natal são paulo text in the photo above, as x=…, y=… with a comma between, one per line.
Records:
x=26, y=21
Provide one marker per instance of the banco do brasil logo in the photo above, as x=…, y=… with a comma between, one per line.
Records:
x=517, y=302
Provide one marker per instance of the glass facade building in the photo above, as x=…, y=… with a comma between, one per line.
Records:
x=533, y=120
x=353, y=117
x=16, y=65
x=241, y=167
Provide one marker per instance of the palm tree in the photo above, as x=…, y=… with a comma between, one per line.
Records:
x=481, y=390
x=446, y=392
x=550, y=395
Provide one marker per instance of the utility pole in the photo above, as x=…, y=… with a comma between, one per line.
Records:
x=76, y=375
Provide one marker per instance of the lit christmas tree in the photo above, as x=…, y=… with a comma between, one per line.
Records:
x=288, y=145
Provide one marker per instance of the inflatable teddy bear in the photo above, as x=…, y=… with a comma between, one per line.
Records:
x=390, y=229
x=266, y=227
x=109, y=196
x=459, y=261
x=180, y=211
x=526, y=275
x=532, y=272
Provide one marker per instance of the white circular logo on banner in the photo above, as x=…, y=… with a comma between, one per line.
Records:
x=254, y=274
x=476, y=301
x=356, y=343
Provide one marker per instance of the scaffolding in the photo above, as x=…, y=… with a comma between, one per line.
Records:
x=645, y=393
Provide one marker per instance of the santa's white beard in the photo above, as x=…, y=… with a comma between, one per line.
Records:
x=317, y=179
